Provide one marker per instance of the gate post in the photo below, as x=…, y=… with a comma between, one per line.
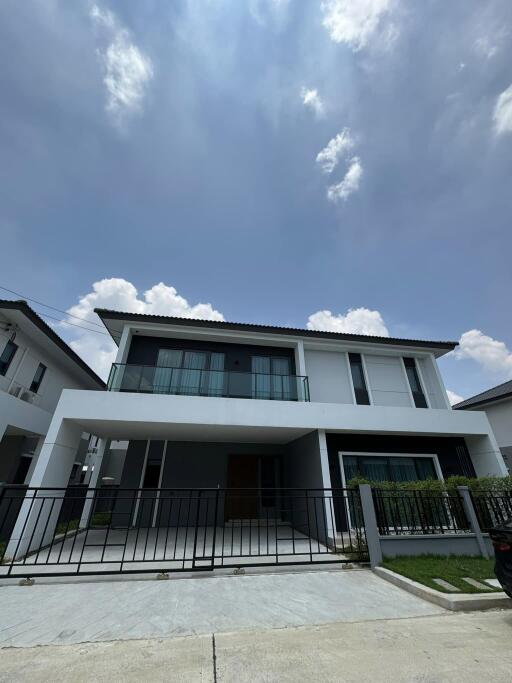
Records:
x=370, y=523
x=470, y=511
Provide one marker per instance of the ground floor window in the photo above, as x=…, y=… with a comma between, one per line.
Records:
x=389, y=467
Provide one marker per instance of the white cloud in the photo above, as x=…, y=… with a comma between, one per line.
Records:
x=329, y=157
x=485, y=47
x=119, y=294
x=349, y=184
x=355, y=321
x=453, y=397
x=354, y=22
x=491, y=354
x=502, y=115
x=311, y=99
x=264, y=10
x=127, y=70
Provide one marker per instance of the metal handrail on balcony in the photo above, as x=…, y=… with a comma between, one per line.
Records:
x=151, y=379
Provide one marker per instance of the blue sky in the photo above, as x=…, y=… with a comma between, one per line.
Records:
x=271, y=158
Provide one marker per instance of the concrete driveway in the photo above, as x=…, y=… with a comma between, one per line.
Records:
x=64, y=613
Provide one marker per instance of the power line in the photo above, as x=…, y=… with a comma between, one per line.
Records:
x=59, y=310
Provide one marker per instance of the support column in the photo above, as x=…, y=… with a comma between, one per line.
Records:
x=40, y=510
x=370, y=524
x=472, y=518
x=35, y=456
x=486, y=455
x=329, y=501
x=96, y=461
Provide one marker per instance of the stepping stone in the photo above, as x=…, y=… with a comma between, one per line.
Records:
x=493, y=582
x=447, y=586
x=476, y=584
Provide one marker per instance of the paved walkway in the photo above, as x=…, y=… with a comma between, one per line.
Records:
x=433, y=649
x=122, y=610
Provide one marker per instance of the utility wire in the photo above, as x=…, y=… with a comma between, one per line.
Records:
x=59, y=310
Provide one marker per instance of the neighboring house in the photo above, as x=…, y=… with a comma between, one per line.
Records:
x=198, y=403
x=497, y=404
x=35, y=366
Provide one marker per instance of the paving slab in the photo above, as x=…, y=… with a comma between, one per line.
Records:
x=476, y=584
x=494, y=583
x=446, y=585
x=76, y=613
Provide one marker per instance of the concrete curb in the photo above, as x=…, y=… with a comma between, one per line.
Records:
x=455, y=603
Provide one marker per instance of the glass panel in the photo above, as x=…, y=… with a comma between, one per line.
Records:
x=167, y=378
x=350, y=467
x=358, y=380
x=402, y=469
x=425, y=468
x=261, y=377
x=375, y=469
x=414, y=383
x=213, y=383
x=280, y=368
x=193, y=363
x=129, y=377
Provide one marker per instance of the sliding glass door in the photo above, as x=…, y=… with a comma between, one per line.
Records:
x=271, y=378
x=191, y=373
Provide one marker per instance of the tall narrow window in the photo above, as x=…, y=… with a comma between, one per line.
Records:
x=358, y=380
x=38, y=378
x=414, y=383
x=7, y=355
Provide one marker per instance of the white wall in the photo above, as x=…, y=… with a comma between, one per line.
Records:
x=23, y=368
x=329, y=381
x=500, y=417
x=387, y=381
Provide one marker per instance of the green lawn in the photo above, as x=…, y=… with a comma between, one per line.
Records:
x=452, y=568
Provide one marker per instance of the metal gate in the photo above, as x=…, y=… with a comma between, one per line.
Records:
x=48, y=532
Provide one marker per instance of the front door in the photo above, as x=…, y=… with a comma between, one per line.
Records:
x=243, y=473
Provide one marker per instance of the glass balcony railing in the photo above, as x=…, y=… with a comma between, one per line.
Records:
x=149, y=379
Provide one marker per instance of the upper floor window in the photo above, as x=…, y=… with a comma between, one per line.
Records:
x=358, y=379
x=189, y=372
x=38, y=378
x=414, y=382
x=271, y=378
x=7, y=355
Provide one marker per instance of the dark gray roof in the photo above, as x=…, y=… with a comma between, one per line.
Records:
x=495, y=394
x=106, y=314
x=23, y=307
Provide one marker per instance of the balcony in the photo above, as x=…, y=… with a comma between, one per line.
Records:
x=150, y=379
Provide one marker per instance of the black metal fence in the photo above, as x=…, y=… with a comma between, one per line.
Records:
x=492, y=507
x=113, y=530
x=419, y=512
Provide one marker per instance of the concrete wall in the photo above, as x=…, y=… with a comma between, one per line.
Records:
x=387, y=381
x=448, y=544
x=431, y=383
x=328, y=376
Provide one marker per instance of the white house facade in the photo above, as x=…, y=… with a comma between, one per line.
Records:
x=214, y=404
x=35, y=366
x=497, y=405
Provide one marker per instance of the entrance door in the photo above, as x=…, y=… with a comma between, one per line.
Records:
x=243, y=473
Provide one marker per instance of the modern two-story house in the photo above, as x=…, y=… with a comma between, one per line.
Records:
x=207, y=425
x=35, y=366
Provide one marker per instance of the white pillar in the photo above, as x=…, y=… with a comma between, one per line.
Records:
x=96, y=462
x=326, y=484
x=35, y=456
x=486, y=455
x=300, y=359
x=40, y=510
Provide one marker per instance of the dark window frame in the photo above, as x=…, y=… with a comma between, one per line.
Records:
x=415, y=457
x=5, y=362
x=38, y=377
x=361, y=393
x=415, y=385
